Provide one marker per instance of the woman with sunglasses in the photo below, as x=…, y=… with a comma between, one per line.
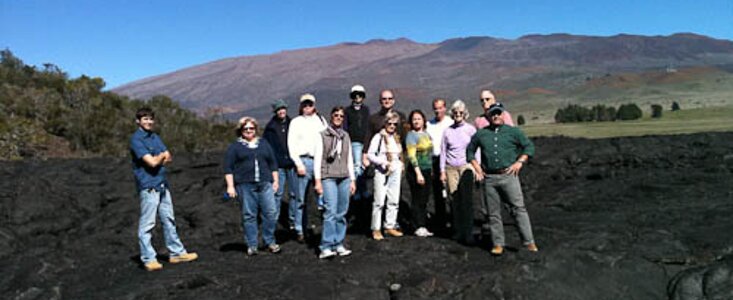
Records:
x=453, y=165
x=304, y=135
x=419, y=170
x=333, y=167
x=384, y=153
x=250, y=172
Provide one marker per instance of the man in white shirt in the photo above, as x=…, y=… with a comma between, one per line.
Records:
x=435, y=129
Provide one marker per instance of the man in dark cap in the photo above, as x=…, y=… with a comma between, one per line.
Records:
x=276, y=134
x=504, y=151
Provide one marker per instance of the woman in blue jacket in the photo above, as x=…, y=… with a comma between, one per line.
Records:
x=250, y=172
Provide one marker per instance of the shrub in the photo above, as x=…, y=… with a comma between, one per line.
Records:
x=656, y=111
x=628, y=112
x=520, y=120
x=675, y=106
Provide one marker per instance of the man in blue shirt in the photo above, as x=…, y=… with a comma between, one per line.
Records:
x=149, y=156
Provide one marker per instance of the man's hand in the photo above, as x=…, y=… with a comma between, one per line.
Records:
x=352, y=188
x=443, y=177
x=301, y=171
x=420, y=178
x=365, y=161
x=478, y=173
x=514, y=168
x=275, y=186
x=167, y=157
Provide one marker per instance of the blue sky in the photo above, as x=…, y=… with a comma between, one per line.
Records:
x=122, y=41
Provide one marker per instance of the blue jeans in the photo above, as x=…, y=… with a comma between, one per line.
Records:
x=298, y=206
x=356, y=148
x=336, y=197
x=257, y=197
x=153, y=202
x=289, y=176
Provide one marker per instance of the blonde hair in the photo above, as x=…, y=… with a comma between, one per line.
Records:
x=243, y=121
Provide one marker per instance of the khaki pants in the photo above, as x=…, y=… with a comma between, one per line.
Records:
x=453, y=176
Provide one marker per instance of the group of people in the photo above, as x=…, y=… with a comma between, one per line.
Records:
x=340, y=157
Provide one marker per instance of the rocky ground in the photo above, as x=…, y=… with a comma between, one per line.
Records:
x=623, y=218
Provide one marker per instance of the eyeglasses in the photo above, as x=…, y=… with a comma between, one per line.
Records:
x=340, y=116
x=387, y=98
x=308, y=104
x=392, y=124
x=486, y=99
x=248, y=128
x=459, y=113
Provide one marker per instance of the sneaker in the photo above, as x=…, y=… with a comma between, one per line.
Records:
x=153, y=266
x=497, y=250
x=327, y=253
x=377, y=235
x=393, y=232
x=274, y=248
x=423, y=232
x=183, y=258
x=342, y=251
x=532, y=247
x=251, y=251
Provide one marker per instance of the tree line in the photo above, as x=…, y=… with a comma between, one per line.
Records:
x=601, y=113
x=44, y=113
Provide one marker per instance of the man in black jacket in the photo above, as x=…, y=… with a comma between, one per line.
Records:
x=276, y=134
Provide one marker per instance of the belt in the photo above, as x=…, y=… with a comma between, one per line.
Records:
x=497, y=171
x=306, y=156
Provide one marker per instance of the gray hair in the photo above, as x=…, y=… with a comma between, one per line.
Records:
x=459, y=105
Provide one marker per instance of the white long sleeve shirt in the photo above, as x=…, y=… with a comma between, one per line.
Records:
x=303, y=137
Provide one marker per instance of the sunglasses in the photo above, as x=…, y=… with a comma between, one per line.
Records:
x=308, y=104
x=392, y=124
x=495, y=113
x=248, y=128
x=486, y=99
x=340, y=116
x=458, y=113
x=385, y=98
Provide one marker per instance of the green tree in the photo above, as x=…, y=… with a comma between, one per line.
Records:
x=656, y=111
x=628, y=112
x=520, y=120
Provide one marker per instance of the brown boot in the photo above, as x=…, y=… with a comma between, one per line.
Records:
x=497, y=250
x=191, y=256
x=153, y=266
x=393, y=232
x=377, y=235
x=532, y=247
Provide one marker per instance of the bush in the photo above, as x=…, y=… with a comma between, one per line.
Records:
x=628, y=112
x=675, y=106
x=520, y=120
x=573, y=113
x=656, y=111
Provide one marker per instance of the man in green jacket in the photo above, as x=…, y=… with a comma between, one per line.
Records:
x=504, y=151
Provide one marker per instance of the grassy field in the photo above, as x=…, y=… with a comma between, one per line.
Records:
x=679, y=122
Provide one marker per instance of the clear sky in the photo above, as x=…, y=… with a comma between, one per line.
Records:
x=122, y=41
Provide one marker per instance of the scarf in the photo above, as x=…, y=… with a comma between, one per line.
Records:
x=334, y=150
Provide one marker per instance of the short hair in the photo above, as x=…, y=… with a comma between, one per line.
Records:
x=338, y=108
x=412, y=115
x=460, y=105
x=436, y=100
x=243, y=121
x=144, y=112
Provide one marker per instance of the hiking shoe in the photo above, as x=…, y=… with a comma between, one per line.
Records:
x=327, y=253
x=251, y=251
x=377, y=235
x=153, y=266
x=393, y=232
x=342, y=251
x=183, y=258
x=497, y=250
x=532, y=247
x=274, y=248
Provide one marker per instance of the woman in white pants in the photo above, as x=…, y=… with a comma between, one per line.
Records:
x=384, y=152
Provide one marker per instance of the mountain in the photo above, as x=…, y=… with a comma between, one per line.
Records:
x=556, y=64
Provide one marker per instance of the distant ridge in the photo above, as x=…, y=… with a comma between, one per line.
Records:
x=454, y=68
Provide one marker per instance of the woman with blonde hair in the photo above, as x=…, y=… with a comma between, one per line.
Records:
x=250, y=172
x=384, y=153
